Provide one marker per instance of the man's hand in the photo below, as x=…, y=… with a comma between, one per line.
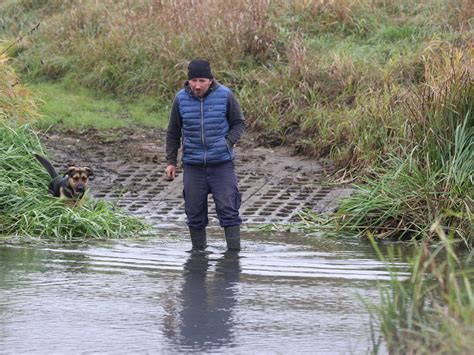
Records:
x=170, y=172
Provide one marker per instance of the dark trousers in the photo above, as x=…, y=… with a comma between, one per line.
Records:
x=220, y=181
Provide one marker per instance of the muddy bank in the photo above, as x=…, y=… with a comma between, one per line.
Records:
x=129, y=166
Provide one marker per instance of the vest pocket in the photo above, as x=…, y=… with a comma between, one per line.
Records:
x=185, y=141
x=229, y=148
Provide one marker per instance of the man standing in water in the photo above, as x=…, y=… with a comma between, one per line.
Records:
x=208, y=119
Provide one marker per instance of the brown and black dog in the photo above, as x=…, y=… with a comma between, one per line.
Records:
x=71, y=186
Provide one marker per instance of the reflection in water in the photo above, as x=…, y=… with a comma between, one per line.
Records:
x=208, y=300
x=135, y=297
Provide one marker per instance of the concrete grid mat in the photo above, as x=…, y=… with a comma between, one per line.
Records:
x=275, y=186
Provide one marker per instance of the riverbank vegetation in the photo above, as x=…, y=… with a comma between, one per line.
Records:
x=26, y=209
x=431, y=180
x=433, y=311
x=329, y=77
x=382, y=88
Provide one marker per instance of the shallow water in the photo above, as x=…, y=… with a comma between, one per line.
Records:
x=281, y=294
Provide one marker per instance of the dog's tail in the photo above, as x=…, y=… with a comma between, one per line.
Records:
x=47, y=165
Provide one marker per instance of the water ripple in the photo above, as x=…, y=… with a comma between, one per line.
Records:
x=103, y=298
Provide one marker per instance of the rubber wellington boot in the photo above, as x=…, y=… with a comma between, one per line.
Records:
x=232, y=237
x=198, y=238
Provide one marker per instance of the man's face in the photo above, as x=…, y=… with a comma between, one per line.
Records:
x=199, y=86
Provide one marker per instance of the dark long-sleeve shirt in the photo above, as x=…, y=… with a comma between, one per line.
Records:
x=235, y=118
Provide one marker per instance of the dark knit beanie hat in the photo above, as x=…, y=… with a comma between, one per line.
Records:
x=199, y=69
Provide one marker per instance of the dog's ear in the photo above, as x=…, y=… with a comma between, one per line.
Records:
x=90, y=173
x=70, y=171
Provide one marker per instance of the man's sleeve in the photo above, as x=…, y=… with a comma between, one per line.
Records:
x=236, y=120
x=173, y=135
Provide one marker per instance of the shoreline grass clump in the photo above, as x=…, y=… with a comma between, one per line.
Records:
x=426, y=180
x=433, y=311
x=26, y=209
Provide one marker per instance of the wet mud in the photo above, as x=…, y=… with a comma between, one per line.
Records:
x=129, y=166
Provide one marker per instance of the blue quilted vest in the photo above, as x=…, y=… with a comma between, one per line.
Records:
x=204, y=127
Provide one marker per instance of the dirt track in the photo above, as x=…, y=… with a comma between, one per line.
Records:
x=129, y=168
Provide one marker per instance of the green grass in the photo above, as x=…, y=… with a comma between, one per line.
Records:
x=67, y=107
x=429, y=178
x=27, y=210
x=433, y=311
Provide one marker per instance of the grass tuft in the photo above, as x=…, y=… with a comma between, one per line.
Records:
x=432, y=311
x=27, y=210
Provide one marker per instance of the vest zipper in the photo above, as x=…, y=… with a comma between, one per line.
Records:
x=202, y=131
